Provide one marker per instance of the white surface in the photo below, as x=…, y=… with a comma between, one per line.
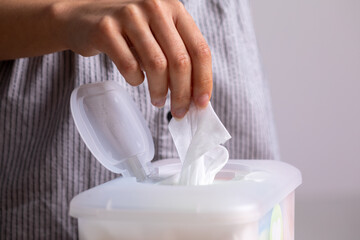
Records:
x=311, y=56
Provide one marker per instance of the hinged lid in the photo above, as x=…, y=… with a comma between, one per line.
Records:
x=113, y=128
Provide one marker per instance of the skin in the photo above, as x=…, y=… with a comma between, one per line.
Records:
x=157, y=36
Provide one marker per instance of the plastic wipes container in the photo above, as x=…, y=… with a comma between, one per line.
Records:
x=249, y=200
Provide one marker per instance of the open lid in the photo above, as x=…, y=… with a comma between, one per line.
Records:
x=113, y=128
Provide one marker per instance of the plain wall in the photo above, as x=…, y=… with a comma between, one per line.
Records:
x=311, y=57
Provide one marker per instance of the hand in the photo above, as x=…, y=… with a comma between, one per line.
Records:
x=159, y=36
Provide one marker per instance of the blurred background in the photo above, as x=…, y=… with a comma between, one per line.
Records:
x=310, y=51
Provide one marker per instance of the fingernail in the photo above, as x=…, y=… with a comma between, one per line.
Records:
x=180, y=113
x=203, y=100
x=159, y=102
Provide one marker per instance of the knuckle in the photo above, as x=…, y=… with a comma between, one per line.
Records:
x=205, y=81
x=155, y=9
x=182, y=62
x=179, y=5
x=60, y=9
x=57, y=9
x=102, y=31
x=158, y=63
x=181, y=98
x=130, y=11
x=176, y=7
x=130, y=67
x=158, y=93
x=202, y=51
x=153, y=4
x=104, y=26
x=203, y=86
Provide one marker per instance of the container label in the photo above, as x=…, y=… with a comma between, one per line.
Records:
x=271, y=226
x=276, y=225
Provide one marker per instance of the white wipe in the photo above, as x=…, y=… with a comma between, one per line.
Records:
x=197, y=138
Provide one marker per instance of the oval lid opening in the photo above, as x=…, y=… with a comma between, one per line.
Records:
x=113, y=128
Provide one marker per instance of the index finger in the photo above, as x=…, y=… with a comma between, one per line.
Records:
x=200, y=55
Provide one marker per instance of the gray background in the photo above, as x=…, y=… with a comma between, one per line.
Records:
x=311, y=56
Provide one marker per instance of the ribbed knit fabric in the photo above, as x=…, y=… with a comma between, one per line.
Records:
x=43, y=161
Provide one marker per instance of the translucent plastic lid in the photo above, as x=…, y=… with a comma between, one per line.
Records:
x=113, y=128
x=244, y=191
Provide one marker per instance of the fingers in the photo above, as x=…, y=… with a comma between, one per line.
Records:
x=150, y=54
x=167, y=44
x=179, y=62
x=111, y=42
x=200, y=57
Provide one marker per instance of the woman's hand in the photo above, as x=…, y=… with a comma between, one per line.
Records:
x=158, y=36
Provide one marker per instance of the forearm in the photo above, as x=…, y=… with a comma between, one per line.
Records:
x=27, y=29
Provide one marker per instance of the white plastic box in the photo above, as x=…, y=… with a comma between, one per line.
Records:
x=249, y=200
